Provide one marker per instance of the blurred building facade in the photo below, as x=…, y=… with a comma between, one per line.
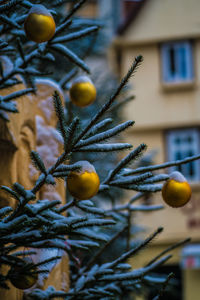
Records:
x=167, y=114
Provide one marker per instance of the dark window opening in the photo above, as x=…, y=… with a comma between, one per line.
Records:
x=172, y=61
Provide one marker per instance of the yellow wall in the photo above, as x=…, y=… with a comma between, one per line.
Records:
x=159, y=107
x=88, y=10
x=155, y=104
x=178, y=223
x=154, y=110
x=191, y=285
x=150, y=252
x=165, y=19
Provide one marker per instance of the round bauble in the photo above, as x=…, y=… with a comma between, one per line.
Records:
x=39, y=25
x=22, y=278
x=82, y=91
x=83, y=183
x=176, y=191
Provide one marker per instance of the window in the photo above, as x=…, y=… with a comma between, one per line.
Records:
x=177, y=64
x=181, y=144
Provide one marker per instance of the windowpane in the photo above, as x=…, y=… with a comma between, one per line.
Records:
x=182, y=62
x=177, y=64
x=178, y=157
x=181, y=144
x=172, y=61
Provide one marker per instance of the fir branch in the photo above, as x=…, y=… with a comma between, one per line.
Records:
x=45, y=262
x=102, y=250
x=156, y=178
x=17, y=94
x=3, y=44
x=61, y=175
x=8, y=21
x=68, y=77
x=136, y=197
x=37, y=161
x=61, y=28
x=165, y=284
x=76, y=7
x=91, y=234
x=123, y=181
x=101, y=125
x=75, y=35
x=163, y=166
x=137, y=273
x=104, y=147
x=64, y=51
x=8, y=107
x=21, y=50
x=71, y=131
x=62, y=168
x=128, y=232
x=24, y=253
x=49, y=293
x=121, y=103
x=104, y=135
x=143, y=187
x=125, y=161
x=26, y=4
x=47, y=205
x=82, y=244
x=26, y=194
x=60, y=2
x=5, y=210
x=91, y=210
x=10, y=4
x=61, y=117
x=108, y=104
x=131, y=208
x=135, y=250
x=170, y=248
x=147, y=208
x=11, y=192
x=93, y=222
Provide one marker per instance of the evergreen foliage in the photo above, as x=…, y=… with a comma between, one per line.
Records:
x=43, y=224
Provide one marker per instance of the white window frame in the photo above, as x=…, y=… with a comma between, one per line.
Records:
x=166, y=74
x=173, y=148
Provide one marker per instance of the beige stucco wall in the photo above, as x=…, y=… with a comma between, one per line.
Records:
x=156, y=104
x=154, y=110
x=159, y=107
x=191, y=284
x=178, y=223
x=165, y=19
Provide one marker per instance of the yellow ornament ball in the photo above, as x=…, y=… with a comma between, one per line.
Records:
x=82, y=91
x=22, y=280
x=176, y=191
x=83, y=183
x=39, y=24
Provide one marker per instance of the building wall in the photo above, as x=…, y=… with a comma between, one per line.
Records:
x=159, y=107
x=157, y=104
x=164, y=20
x=191, y=284
x=155, y=110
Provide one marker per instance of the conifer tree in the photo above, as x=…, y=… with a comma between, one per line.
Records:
x=80, y=225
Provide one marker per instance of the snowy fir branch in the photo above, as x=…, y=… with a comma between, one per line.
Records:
x=82, y=228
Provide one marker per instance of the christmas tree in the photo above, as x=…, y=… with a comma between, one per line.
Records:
x=39, y=232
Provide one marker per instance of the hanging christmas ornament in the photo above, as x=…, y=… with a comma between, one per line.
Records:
x=176, y=191
x=82, y=91
x=39, y=24
x=23, y=277
x=83, y=183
